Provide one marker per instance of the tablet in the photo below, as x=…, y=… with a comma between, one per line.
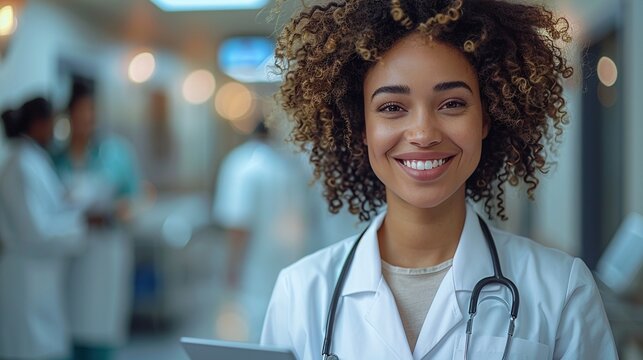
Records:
x=203, y=349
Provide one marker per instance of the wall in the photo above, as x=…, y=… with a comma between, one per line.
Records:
x=47, y=33
x=633, y=49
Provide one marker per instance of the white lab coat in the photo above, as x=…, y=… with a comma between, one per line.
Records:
x=100, y=278
x=39, y=231
x=561, y=315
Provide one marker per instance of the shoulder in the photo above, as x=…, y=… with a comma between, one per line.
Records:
x=31, y=158
x=523, y=252
x=112, y=144
x=320, y=268
x=534, y=266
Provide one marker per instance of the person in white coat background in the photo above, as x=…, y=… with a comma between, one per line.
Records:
x=420, y=105
x=101, y=172
x=262, y=202
x=39, y=231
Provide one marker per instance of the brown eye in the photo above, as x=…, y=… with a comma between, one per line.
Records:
x=453, y=104
x=389, y=107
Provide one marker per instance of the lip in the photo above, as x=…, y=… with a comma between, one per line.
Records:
x=423, y=155
x=424, y=175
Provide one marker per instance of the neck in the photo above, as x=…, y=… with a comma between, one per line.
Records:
x=413, y=237
x=36, y=138
x=78, y=144
x=78, y=149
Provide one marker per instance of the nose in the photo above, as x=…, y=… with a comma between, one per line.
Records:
x=424, y=131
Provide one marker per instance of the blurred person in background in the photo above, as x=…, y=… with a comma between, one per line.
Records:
x=39, y=231
x=101, y=173
x=262, y=202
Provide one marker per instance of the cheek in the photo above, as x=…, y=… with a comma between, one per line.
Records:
x=380, y=138
x=472, y=149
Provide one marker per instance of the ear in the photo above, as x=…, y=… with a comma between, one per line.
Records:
x=364, y=139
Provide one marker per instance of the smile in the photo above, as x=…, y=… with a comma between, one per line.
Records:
x=424, y=164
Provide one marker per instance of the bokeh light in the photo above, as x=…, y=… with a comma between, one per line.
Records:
x=234, y=101
x=607, y=71
x=142, y=67
x=62, y=129
x=198, y=87
x=231, y=323
x=8, y=22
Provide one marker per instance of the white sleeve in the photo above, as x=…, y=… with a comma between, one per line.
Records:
x=233, y=202
x=276, y=326
x=40, y=229
x=584, y=331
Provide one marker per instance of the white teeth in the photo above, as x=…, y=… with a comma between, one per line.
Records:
x=424, y=165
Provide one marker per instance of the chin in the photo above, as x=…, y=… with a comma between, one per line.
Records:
x=426, y=199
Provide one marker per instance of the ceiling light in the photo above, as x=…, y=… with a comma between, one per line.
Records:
x=8, y=21
x=198, y=5
x=248, y=59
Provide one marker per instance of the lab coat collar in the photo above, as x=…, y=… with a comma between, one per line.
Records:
x=366, y=277
x=471, y=263
x=29, y=144
x=472, y=260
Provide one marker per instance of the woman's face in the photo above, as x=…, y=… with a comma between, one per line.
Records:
x=424, y=122
x=42, y=130
x=82, y=119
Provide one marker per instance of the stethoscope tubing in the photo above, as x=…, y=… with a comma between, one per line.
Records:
x=330, y=319
x=497, y=278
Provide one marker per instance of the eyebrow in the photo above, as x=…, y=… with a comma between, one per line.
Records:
x=405, y=90
x=393, y=89
x=451, y=85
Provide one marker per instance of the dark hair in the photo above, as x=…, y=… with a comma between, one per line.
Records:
x=18, y=122
x=79, y=90
x=261, y=130
x=326, y=50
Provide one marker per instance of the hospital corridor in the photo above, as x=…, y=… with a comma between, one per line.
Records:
x=247, y=179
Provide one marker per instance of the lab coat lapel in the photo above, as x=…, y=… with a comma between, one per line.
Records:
x=366, y=276
x=443, y=316
x=380, y=309
x=471, y=262
x=385, y=320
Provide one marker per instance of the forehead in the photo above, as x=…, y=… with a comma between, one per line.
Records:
x=415, y=59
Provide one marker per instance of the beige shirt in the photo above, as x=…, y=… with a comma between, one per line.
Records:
x=414, y=291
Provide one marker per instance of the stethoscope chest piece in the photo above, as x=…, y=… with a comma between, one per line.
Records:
x=331, y=357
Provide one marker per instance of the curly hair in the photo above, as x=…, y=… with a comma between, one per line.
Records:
x=325, y=51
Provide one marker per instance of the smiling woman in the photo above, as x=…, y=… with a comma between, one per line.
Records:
x=421, y=105
x=328, y=48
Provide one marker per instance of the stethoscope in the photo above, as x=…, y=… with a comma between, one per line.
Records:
x=497, y=278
